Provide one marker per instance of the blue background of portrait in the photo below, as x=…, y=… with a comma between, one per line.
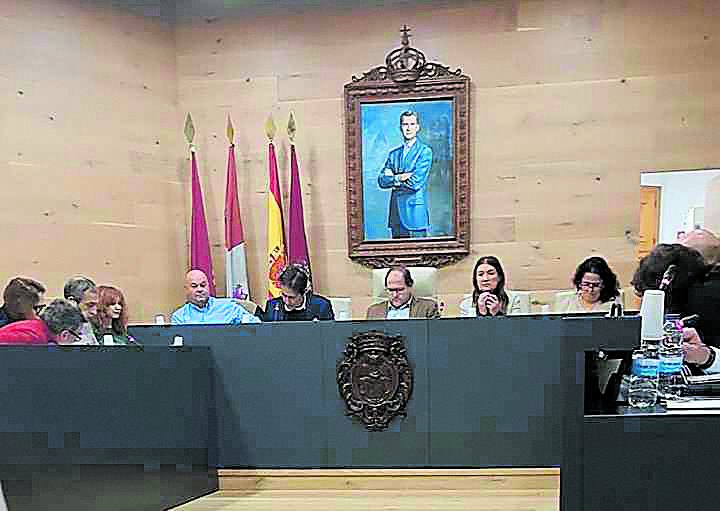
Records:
x=380, y=134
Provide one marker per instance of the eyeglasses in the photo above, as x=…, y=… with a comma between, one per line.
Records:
x=76, y=336
x=38, y=308
x=591, y=285
x=395, y=290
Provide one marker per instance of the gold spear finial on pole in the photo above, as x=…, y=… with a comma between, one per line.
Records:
x=270, y=128
x=291, y=128
x=230, y=131
x=189, y=131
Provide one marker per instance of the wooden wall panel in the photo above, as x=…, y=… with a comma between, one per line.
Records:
x=571, y=101
x=92, y=158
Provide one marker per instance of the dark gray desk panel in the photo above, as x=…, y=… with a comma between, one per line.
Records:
x=582, y=335
x=104, y=487
x=268, y=393
x=104, y=428
x=104, y=405
x=659, y=463
x=495, y=392
x=163, y=335
x=404, y=443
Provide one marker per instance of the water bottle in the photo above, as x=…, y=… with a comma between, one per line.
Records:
x=670, y=381
x=643, y=389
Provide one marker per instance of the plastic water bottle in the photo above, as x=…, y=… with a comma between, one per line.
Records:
x=643, y=389
x=670, y=381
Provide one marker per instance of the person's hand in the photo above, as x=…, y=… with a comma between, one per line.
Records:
x=388, y=172
x=493, y=304
x=404, y=176
x=695, y=351
x=488, y=303
x=482, y=304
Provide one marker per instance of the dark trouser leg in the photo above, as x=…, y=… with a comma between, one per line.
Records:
x=398, y=231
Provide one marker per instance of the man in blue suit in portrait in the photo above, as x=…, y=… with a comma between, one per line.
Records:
x=406, y=173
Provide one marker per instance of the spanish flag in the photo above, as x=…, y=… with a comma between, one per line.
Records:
x=275, y=230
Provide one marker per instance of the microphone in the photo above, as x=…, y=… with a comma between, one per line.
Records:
x=690, y=321
x=668, y=277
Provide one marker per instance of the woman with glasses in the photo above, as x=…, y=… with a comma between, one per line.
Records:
x=112, y=316
x=596, y=288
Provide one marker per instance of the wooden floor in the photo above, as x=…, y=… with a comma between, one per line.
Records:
x=401, y=490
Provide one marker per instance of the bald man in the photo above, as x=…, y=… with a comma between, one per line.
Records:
x=203, y=308
x=704, y=242
x=704, y=297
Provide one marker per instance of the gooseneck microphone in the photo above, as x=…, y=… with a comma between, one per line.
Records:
x=670, y=273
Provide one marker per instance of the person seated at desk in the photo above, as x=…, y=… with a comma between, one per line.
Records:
x=596, y=287
x=489, y=297
x=402, y=304
x=699, y=354
x=704, y=295
x=296, y=302
x=22, y=297
x=203, y=308
x=112, y=316
x=83, y=292
x=689, y=266
x=60, y=323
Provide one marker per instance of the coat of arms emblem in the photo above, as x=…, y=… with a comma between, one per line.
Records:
x=375, y=379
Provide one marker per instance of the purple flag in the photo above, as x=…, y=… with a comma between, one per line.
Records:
x=199, y=241
x=298, y=249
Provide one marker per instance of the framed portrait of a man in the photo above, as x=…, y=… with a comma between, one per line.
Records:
x=407, y=154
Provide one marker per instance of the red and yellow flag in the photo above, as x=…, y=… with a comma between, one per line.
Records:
x=275, y=230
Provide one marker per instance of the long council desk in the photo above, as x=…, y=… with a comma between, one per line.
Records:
x=486, y=394
x=503, y=392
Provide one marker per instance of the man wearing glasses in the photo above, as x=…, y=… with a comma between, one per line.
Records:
x=23, y=300
x=59, y=323
x=402, y=303
x=83, y=293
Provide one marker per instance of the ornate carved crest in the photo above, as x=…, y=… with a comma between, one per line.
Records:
x=406, y=64
x=375, y=379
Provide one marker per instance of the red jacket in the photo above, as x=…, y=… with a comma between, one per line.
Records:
x=29, y=331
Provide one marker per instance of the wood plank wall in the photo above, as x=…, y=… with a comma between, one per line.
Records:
x=572, y=99
x=92, y=161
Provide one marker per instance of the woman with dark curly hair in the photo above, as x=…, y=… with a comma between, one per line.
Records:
x=596, y=287
x=691, y=268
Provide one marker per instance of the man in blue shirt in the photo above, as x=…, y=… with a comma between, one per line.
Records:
x=203, y=308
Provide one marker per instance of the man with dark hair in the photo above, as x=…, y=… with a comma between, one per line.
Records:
x=22, y=297
x=406, y=172
x=203, y=308
x=296, y=302
x=402, y=304
x=83, y=292
x=59, y=323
